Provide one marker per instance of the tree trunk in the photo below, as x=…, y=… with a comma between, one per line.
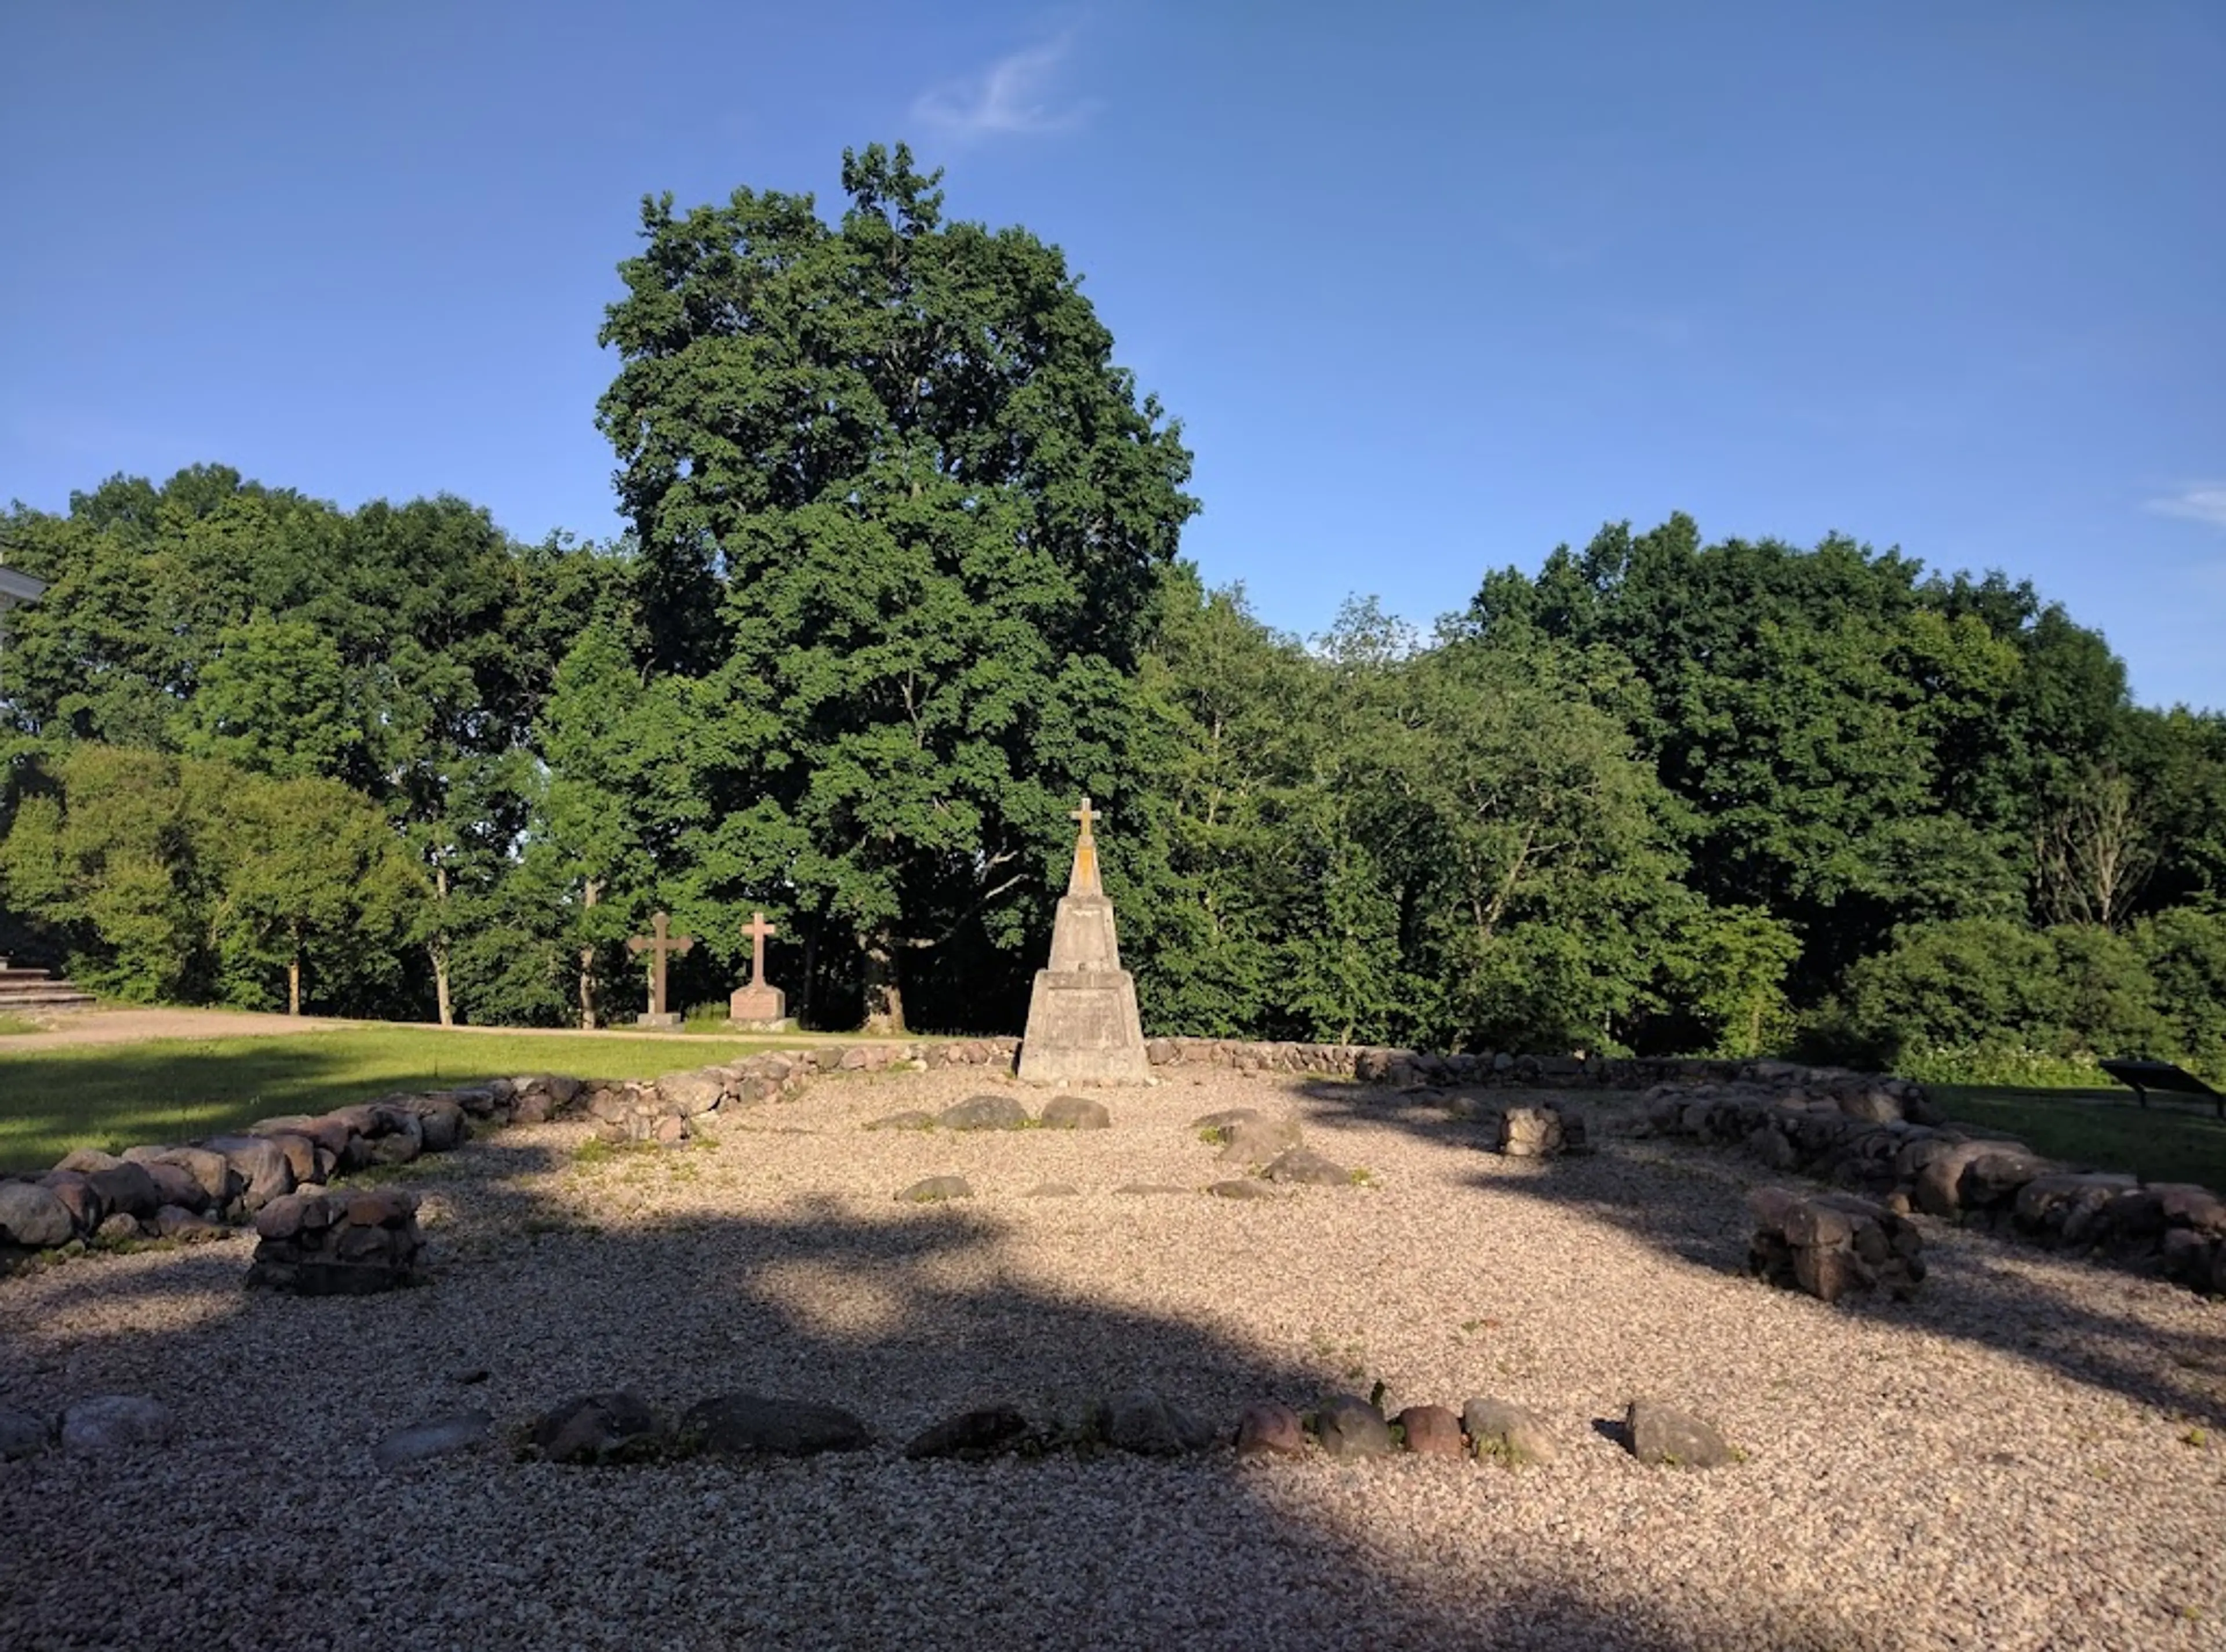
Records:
x=884, y=992
x=803, y=1016
x=294, y=984
x=594, y=893
x=438, y=946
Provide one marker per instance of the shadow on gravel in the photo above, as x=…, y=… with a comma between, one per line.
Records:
x=1690, y=1202
x=899, y=1314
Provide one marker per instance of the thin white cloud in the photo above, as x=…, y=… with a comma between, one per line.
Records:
x=2203, y=502
x=1015, y=97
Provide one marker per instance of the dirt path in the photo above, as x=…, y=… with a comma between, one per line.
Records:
x=134, y=1025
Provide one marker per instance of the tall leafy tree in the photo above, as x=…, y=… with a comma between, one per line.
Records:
x=901, y=519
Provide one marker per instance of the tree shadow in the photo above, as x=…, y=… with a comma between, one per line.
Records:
x=1689, y=1202
x=901, y=1314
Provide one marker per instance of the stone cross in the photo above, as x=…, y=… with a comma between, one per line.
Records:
x=658, y=943
x=1083, y=879
x=757, y=929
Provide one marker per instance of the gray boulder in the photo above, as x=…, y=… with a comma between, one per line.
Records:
x=23, y=1435
x=934, y=1190
x=1268, y=1428
x=755, y=1425
x=1249, y=1138
x=1431, y=1431
x=438, y=1437
x=1512, y=1433
x=594, y=1427
x=126, y=1187
x=1076, y=1113
x=984, y=1112
x=1663, y=1434
x=442, y=1125
x=691, y=1093
x=1349, y=1427
x=112, y=1422
x=75, y=1189
x=177, y=1185
x=187, y=1227
x=1303, y=1166
x=1240, y=1187
x=1141, y=1422
x=971, y=1436
x=34, y=1217
x=260, y=1163
x=219, y=1184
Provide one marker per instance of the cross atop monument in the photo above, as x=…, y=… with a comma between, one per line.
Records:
x=658, y=943
x=757, y=929
x=1083, y=879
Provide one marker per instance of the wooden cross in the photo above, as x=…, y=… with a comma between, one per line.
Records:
x=757, y=929
x=658, y=943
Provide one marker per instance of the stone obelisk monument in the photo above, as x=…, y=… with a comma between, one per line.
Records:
x=1083, y=1026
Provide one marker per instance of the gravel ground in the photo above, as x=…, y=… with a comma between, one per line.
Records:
x=2028, y=1457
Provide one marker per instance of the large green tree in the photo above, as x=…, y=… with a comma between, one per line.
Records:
x=901, y=521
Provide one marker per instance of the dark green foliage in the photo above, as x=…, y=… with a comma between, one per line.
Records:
x=400, y=651
x=901, y=520
x=903, y=583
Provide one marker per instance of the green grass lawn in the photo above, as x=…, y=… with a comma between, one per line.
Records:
x=2176, y=1141
x=173, y=1089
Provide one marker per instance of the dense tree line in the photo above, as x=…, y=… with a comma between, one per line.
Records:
x=903, y=579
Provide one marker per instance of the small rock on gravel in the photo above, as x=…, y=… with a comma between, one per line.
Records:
x=436, y=1436
x=1349, y=1427
x=1268, y=1429
x=755, y=1425
x=1663, y=1434
x=1305, y=1167
x=1513, y=1433
x=934, y=1190
x=1257, y=1139
x=1432, y=1431
x=914, y=1118
x=971, y=1436
x=22, y=1434
x=1141, y=1421
x=114, y=1422
x=1076, y=1113
x=984, y=1112
x=593, y=1426
x=1148, y=1189
x=1240, y=1187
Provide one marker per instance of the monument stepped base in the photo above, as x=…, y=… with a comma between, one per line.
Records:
x=1083, y=1029
x=24, y=989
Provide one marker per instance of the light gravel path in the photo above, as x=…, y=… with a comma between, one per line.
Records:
x=130, y=1026
x=2005, y=1464
x=124, y=1024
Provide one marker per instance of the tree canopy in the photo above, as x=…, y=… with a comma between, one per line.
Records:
x=903, y=579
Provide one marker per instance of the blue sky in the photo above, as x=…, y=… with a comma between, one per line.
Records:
x=1432, y=289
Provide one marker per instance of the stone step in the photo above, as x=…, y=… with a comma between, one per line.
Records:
x=25, y=989
x=56, y=997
